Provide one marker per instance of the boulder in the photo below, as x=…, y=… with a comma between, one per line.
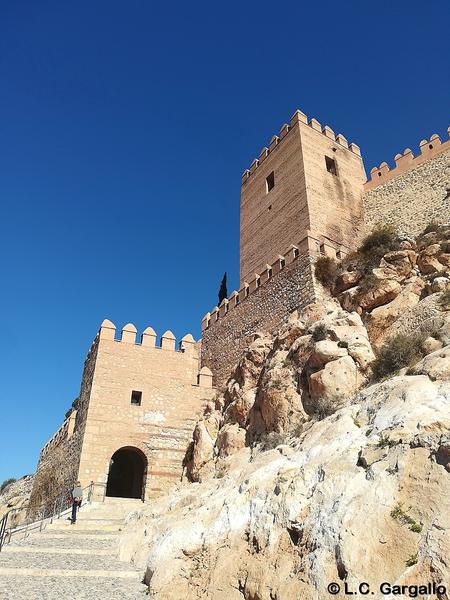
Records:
x=278, y=405
x=431, y=344
x=439, y=284
x=396, y=265
x=428, y=260
x=382, y=293
x=436, y=365
x=238, y=410
x=249, y=367
x=335, y=384
x=346, y=280
x=230, y=439
x=202, y=453
x=382, y=317
x=325, y=351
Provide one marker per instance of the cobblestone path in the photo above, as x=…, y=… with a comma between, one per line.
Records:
x=72, y=562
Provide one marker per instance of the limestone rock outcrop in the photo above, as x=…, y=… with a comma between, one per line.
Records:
x=402, y=279
x=360, y=495
x=15, y=497
x=304, y=470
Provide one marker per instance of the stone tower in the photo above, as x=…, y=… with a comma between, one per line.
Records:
x=306, y=189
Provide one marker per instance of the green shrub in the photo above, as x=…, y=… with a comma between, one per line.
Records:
x=444, y=298
x=399, y=514
x=400, y=351
x=6, y=483
x=440, y=234
x=385, y=442
x=431, y=227
x=320, y=332
x=368, y=281
x=326, y=271
x=412, y=560
x=220, y=473
x=381, y=240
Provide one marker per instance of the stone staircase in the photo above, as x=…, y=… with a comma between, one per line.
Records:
x=80, y=562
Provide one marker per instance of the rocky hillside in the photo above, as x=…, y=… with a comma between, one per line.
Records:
x=16, y=496
x=326, y=457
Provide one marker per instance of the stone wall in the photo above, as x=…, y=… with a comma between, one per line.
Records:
x=59, y=459
x=264, y=309
x=174, y=394
x=307, y=200
x=410, y=198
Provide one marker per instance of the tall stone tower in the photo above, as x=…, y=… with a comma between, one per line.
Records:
x=304, y=189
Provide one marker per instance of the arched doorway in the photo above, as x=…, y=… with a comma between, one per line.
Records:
x=127, y=470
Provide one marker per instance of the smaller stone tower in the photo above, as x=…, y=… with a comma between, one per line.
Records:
x=305, y=189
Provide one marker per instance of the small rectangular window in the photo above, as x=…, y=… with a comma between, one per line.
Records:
x=136, y=398
x=331, y=165
x=270, y=182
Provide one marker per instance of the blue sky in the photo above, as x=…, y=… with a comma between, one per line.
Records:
x=124, y=130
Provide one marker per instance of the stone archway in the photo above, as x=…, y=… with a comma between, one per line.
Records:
x=127, y=472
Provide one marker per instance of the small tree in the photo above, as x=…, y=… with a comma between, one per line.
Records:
x=223, y=288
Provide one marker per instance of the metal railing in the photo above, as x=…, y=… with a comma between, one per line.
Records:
x=45, y=515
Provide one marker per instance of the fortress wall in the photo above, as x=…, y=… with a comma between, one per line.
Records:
x=60, y=456
x=269, y=222
x=306, y=198
x=228, y=331
x=414, y=193
x=161, y=426
x=334, y=201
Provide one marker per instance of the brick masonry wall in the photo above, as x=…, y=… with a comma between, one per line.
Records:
x=412, y=199
x=265, y=309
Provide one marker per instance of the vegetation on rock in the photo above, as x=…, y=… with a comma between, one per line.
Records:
x=398, y=352
x=6, y=483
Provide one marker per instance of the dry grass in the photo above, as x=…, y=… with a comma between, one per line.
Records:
x=374, y=246
x=444, y=299
x=50, y=483
x=403, y=350
x=326, y=270
x=6, y=484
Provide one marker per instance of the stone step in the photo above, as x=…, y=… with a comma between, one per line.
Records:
x=64, y=587
x=84, y=526
x=64, y=540
x=50, y=561
x=74, y=530
x=43, y=572
x=97, y=520
x=73, y=561
x=55, y=550
x=123, y=501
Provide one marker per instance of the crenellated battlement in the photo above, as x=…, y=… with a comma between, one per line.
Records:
x=148, y=338
x=407, y=160
x=260, y=279
x=63, y=433
x=298, y=117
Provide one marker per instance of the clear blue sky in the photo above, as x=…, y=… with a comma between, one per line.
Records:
x=124, y=130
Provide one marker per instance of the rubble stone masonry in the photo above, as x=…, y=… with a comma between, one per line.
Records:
x=413, y=194
x=264, y=309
